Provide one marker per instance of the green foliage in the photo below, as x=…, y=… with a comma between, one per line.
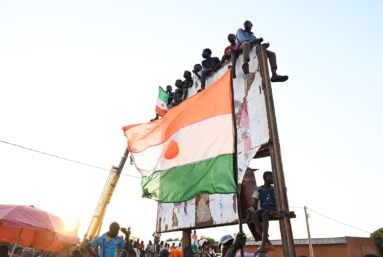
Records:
x=176, y=239
x=210, y=239
x=378, y=238
x=169, y=239
x=249, y=237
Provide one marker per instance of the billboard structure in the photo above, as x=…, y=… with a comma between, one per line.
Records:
x=252, y=137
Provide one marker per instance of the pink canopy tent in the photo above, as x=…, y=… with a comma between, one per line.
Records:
x=32, y=227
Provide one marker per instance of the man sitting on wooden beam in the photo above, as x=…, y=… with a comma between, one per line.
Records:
x=244, y=40
x=263, y=209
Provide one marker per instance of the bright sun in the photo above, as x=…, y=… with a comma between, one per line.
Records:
x=71, y=223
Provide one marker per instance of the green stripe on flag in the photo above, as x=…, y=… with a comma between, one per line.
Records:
x=163, y=95
x=182, y=183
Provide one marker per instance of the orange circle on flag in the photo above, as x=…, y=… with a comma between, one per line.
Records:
x=172, y=150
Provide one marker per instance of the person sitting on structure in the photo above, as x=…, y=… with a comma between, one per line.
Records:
x=230, y=53
x=264, y=207
x=197, y=72
x=229, y=246
x=244, y=40
x=178, y=93
x=186, y=84
x=208, y=65
x=170, y=92
x=109, y=242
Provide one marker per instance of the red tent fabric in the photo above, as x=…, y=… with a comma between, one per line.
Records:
x=39, y=229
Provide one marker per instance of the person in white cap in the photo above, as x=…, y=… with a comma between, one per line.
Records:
x=229, y=246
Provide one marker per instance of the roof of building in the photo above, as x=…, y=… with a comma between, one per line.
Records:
x=314, y=241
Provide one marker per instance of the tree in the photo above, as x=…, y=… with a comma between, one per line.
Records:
x=210, y=239
x=378, y=238
x=176, y=239
x=249, y=237
x=169, y=239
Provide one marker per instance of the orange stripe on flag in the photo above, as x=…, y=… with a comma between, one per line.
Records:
x=160, y=111
x=213, y=101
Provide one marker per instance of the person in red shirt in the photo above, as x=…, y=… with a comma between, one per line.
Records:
x=141, y=248
x=231, y=53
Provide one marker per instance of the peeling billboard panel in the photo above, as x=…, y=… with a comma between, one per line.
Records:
x=252, y=132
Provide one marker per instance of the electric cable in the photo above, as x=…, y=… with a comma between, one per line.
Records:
x=65, y=159
x=331, y=219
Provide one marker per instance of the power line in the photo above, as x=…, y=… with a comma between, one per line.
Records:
x=332, y=219
x=63, y=158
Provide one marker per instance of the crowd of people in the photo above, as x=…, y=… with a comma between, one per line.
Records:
x=6, y=249
x=110, y=244
x=110, y=241
x=241, y=43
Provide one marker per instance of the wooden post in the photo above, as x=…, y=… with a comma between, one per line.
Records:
x=276, y=157
x=308, y=233
x=186, y=237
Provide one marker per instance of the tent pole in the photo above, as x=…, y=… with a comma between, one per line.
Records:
x=17, y=241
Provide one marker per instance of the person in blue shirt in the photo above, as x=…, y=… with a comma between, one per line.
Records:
x=208, y=65
x=109, y=242
x=263, y=208
x=244, y=40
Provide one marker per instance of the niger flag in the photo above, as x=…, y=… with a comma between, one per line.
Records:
x=190, y=151
x=162, y=102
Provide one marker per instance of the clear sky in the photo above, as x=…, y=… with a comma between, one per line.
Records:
x=72, y=73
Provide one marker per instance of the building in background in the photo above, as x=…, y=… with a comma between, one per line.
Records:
x=324, y=247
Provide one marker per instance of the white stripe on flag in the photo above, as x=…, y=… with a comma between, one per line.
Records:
x=197, y=142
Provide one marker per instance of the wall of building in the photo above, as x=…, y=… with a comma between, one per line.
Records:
x=359, y=246
x=319, y=251
x=355, y=247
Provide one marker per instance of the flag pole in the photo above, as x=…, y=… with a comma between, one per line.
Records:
x=235, y=163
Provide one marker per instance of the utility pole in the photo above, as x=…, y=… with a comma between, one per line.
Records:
x=308, y=233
